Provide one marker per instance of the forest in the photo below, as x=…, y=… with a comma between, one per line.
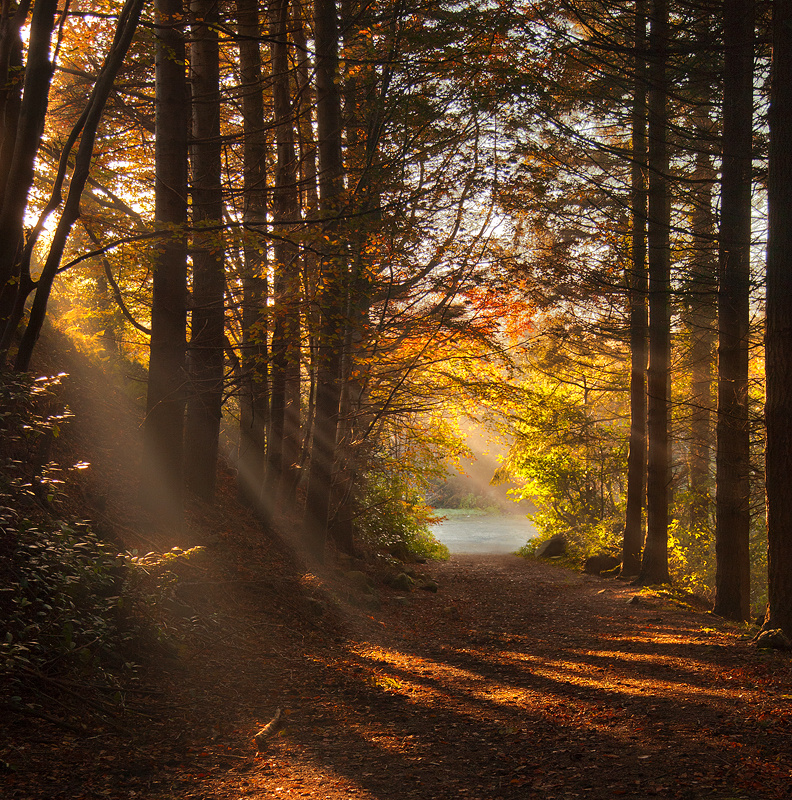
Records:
x=309, y=242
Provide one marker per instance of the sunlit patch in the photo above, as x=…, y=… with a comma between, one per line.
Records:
x=309, y=579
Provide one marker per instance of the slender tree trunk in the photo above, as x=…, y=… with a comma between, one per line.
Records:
x=127, y=25
x=283, y=450
x=778, y=337
x=204, y=408
x=309, y=202
x=332, y=295
x=254, y=396
x=654, y=565
x=732, y=581
x=29, y=128
x=637, y=288
x=162, y=467
x=10, y=90
x=702, y=325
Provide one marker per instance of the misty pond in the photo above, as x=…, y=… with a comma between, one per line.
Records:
x=476, y=531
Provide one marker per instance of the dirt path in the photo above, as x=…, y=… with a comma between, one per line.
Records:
x=516, y=679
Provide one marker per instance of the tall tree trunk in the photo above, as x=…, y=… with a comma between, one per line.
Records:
x=702, y=324
x=309, y=202
x=10, y=90
x=732, y=580
x=29, y=126
x=654, y=565
x=88, y=125
x=778, y=337
x=162, y=467
x=283, y=446
x=204, y=407
x=332, y=292
x=254, y=394
x=637, y=288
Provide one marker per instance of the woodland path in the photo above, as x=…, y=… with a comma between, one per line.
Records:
x=517, y=679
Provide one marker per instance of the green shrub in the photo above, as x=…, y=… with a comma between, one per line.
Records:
x=59, y=598
x=395, y=515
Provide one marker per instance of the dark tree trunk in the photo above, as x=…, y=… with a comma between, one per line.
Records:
x=309, y=202
x=637, y=288
x=206, y=350
x=162, y=468
x=29, y=127
x=283, y=447
x=654, y=565
x=86, y=131
x=332, y=294
x=778, y=337
x=702, y=324
x=732, y=581
x=10, y=90
x=254, y=392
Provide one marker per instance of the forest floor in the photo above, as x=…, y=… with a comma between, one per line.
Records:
x=516, y=679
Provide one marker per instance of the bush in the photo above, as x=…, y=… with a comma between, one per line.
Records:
x=59, y=598
x=394, y=516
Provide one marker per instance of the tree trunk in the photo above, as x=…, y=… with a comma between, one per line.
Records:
x=637, y=288
x=10, y=90
x=309, y=202
x=86, y=130
x=732, y=581
x=332, y=294
x=654, y=565
x=778, y=337
x=702, y=323
x=254, y=392
x=29, y=128
x=283, y=446
x=206, y=350
x=162, y=468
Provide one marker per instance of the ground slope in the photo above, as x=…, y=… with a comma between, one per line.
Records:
x=516, y=679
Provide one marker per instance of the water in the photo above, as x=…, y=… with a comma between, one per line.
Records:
x=479, y=532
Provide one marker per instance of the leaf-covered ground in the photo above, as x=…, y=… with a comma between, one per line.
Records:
x=516, y=679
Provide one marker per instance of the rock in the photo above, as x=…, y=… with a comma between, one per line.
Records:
x=553, y=547
x=401, y=582
x=635, y=601
x=359, y=580
x=775, y=639
x=603, y=562
x=430, y=586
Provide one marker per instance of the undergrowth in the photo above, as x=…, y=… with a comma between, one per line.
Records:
x=74, y=611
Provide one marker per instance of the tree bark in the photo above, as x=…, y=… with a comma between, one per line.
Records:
x=163, y=443
x=654, y=564
x=283, y=446
x=732, y=581
x=29, y=129
x=10, y=89
x=637, y=289
x=702, y=323
x=88, y=125
x=206, y=349
x=778, y=336
x=254, y=393
x=333, y=278
x=309, y=202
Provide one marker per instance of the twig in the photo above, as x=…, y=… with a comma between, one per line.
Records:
x=45, y=716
